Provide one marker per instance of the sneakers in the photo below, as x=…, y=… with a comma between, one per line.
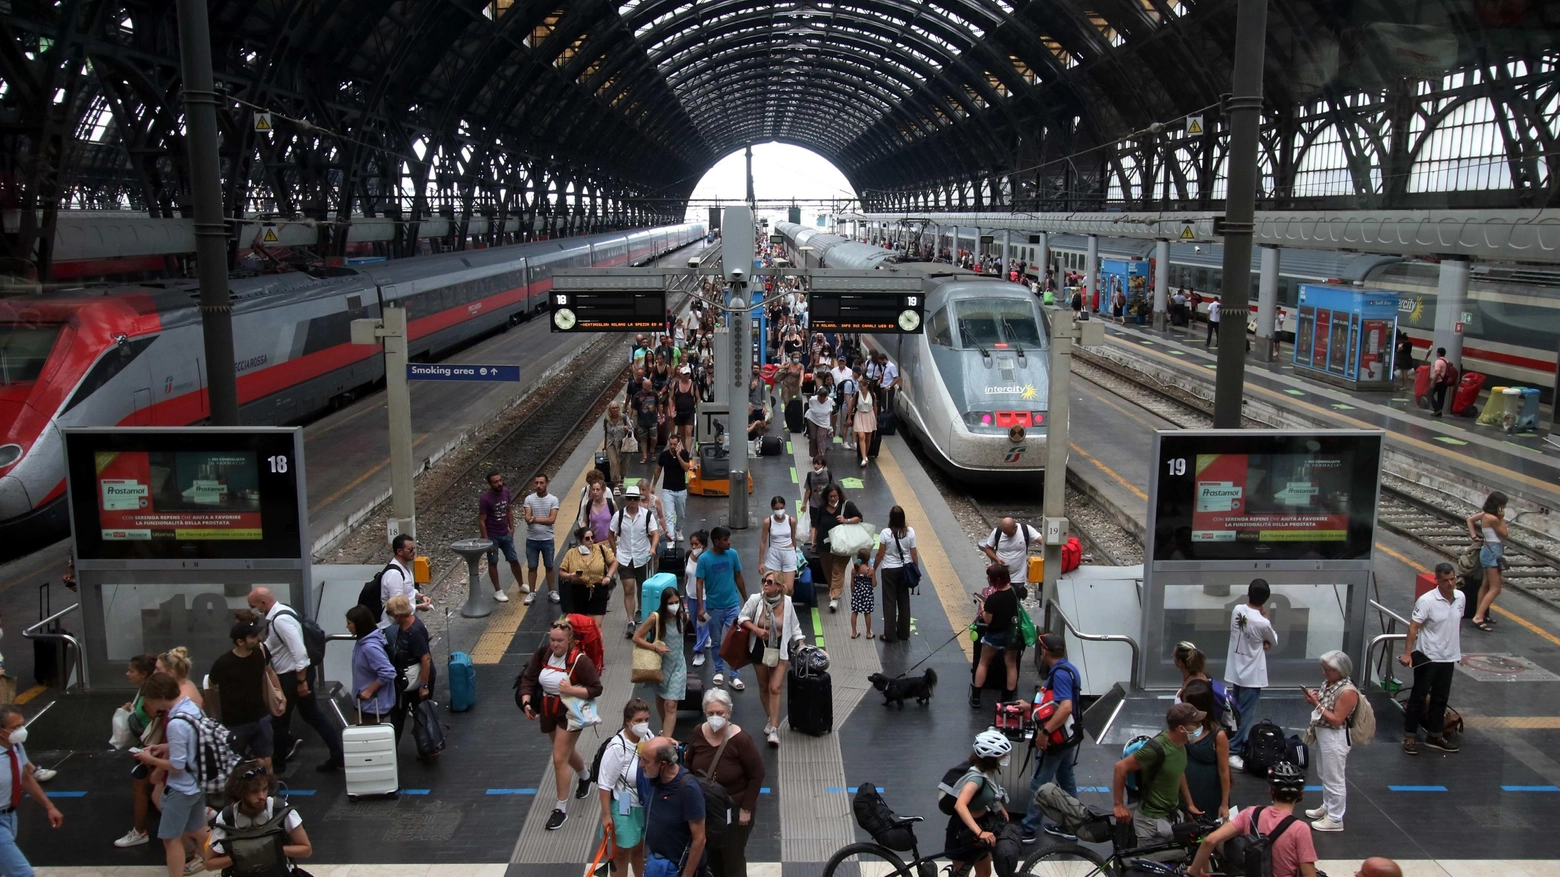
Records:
x=501, y=597
x=768, y=729
x=1237, y=763
x=628, y=631
x=1028, y=836
x=1410, y=746
x=774, y=737
x=736, y=683
x=1327, y=824
x=698, y=659
x=719, y=680
x=44, y=774
x=582, y=788
x=293, y=752
x=552, y=597
x=529, y=599
x=834, y=605
x=1441, y=743
x=1318, y=813
x=525, y=589
x=132, y=838
x=195, y=865
x=556, y=820
x=1055, y=830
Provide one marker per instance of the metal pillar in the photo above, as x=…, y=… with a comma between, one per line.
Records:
x=1043, y=257
x=737, y=261
x=390, y=330
x=1161, y=284
x=1091, y=272
x=1267, y=303
x=216, y=307
x=1451, y=301
x=1245, y=113
x=1007, y=251
x=1055, y=496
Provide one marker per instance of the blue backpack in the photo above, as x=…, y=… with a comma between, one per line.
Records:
x=1137, y=780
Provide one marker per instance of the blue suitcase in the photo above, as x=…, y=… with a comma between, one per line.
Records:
x=803, y=593
x=462, y=682
x=650, y=592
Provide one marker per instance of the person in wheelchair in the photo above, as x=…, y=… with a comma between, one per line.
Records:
x=1160, y=765
x=1294, y=854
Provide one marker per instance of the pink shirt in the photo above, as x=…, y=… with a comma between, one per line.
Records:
x=1291, y=849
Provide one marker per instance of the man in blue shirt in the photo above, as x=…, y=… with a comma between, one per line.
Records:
x=16, y=779
x=1055, y=760
x=674, y=807
x=183, y=802
x=721, y=590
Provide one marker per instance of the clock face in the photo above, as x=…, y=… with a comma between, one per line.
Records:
x=909, y=320
x=564, y=319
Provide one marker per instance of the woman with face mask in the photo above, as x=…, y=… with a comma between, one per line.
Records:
x=770, y=621
x=662, y=633
x=617, y=781
x=777, y=544
x=588, y=569
x=722, y=751
x=1207, y=753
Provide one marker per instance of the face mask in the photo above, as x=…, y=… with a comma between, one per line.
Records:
x=641, y=730
x=18, y=736
x=584, y=549
x=1195, y=734
x=779, y=514
x=1006, y=759
x=674, y=608
x=717, y=723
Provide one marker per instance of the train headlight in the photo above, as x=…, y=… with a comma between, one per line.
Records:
x=1016, y=434
x=9, y=454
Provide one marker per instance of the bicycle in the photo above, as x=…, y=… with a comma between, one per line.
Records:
x=872, y=859
x=1076, y=860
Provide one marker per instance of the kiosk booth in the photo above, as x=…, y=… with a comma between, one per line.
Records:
x=1128, y=276
x=1345, y=336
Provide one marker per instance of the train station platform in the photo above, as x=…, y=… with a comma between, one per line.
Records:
x=485, y=800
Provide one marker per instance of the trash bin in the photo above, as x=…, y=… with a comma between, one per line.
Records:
x=1494, y=413
x=1512, y=399
x=1527, y=410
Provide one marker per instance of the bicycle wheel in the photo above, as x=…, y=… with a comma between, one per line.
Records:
x=866, y=860
x=1067, y=860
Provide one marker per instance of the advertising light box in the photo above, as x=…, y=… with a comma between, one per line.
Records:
x=1244, y=495
x=157, y=494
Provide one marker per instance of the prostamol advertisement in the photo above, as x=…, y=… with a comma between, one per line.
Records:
x=182, y=495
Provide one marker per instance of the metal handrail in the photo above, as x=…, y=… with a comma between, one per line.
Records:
x=331, y=699
x=1382, y=609
x=81, y=664
x=1380, y=640
x=1102, y=638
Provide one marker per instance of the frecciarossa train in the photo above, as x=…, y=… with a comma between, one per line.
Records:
x=131, y=355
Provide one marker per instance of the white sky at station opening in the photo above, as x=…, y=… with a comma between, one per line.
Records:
x=780, y=171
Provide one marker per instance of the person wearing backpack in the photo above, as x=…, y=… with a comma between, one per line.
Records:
x=256, y=834
x=183, y=802
x=720, y=751
x=286, y=643
x=1160, y=764
x=1267, y=841
x=1336, y=721
x=1207, y=754
x=396, y=578
x=674, y=812
x=1245, y=667
x=979, y=809
x=1055, y=760
x=617, y=778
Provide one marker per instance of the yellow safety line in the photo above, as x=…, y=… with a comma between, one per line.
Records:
x=1421, y=568
x=505, y=621
x=950, y=591
x=29, y=694
x=1439, y=452
x=1136, y=491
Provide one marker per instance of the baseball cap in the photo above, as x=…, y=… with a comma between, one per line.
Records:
x=1053, y=642
x=685, y=371
x=631, y=491
x=1184, y=714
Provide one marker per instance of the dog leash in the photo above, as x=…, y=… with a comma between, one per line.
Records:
x=955, y=636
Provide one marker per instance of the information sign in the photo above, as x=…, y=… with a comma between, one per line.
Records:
x=609, y=310
x=890, y=312
x=416, y=371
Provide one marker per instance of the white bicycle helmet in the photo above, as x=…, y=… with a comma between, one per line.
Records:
x=992, y=743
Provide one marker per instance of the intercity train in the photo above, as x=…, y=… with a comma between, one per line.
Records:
x=131, y=355
x=975, y=382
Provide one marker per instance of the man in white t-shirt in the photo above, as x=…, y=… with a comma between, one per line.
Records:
x=844, y=397
x=1245, y=667
x=1009, y=545
x=1215, y=315
x=1433, y=648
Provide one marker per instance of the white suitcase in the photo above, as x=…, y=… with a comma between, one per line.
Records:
x=370, y=760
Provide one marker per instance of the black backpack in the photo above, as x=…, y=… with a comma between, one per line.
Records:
x=369, y=596
x=720, y=812
x=1251, y=854
x=1265, y=747
x=595, y=762
x=258, y=850
x=948, y=790
x=875, y=818
x=313, y=637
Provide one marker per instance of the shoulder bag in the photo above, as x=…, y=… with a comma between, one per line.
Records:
x=909, y=573
x=580, y=712
x=647, y=662
x=275, y=700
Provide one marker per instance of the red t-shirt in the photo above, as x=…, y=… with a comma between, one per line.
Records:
x=1291, y=849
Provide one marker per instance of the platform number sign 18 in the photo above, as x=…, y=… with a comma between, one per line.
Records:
x=278, y=464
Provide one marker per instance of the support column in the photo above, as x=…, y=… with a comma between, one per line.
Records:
x=1091, y=272
x=1007, y=251
x=1267, y=303
x=1451, y=301
x=1161, y=284
x=1043, y=257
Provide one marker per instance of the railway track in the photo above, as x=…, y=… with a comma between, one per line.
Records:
x=1094, y=550
x=1434, y=521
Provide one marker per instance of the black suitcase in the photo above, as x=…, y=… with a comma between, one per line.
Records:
x=672, y=559
x=793, y=416
x=693, y=696
x=427, y=733
x=771, y=446
x=604, y=464
x=809, y=702
x=887, y=422
x=876, y=444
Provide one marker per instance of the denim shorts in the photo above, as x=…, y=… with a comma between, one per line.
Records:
x=254, y=739
x=181, y=814
x=539, y=548
x=1491, y=553
x=996, y=640
x=505, y=544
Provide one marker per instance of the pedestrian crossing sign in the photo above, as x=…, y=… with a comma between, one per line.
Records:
x=269, y=235
x=263, y=122
x=1194, y=124
x=1187, y=234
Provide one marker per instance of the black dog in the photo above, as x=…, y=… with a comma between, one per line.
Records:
x=901, y=689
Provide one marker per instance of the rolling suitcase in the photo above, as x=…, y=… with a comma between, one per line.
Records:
x=1465, y=393
x=1422, y=386
x=693, y=697
x=875, y=445
x=793, y=416
x=672, y=560
x=462, y=682
x=426, y=730
x=604, y=465
x=771, y=446
x=803, y=592
x=650, y=592
x=809, y=702
x=370, y=760
x=888, y=423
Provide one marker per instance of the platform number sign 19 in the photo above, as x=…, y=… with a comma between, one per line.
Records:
x=278, y=464
x=1176, y=466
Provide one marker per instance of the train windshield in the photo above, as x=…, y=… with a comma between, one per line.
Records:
x=987, y=323
x=24, y=348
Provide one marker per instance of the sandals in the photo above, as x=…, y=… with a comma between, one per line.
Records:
x=1483, y=625
x=855, y=636
x=871, y=635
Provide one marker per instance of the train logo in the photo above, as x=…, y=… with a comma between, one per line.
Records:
x=1015, y=454
x=1029, y=392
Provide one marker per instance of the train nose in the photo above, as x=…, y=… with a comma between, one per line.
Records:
x=13, y=498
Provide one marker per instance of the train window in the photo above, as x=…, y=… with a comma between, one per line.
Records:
x=1216, y=282
x=24, y=348
x=983, y=323
x=112, y=363
x=1200, y=279
x=938, y=330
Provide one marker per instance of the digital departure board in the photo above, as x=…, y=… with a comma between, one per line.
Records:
x=609, y=310
x=1247, y=495
x=883, y=312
